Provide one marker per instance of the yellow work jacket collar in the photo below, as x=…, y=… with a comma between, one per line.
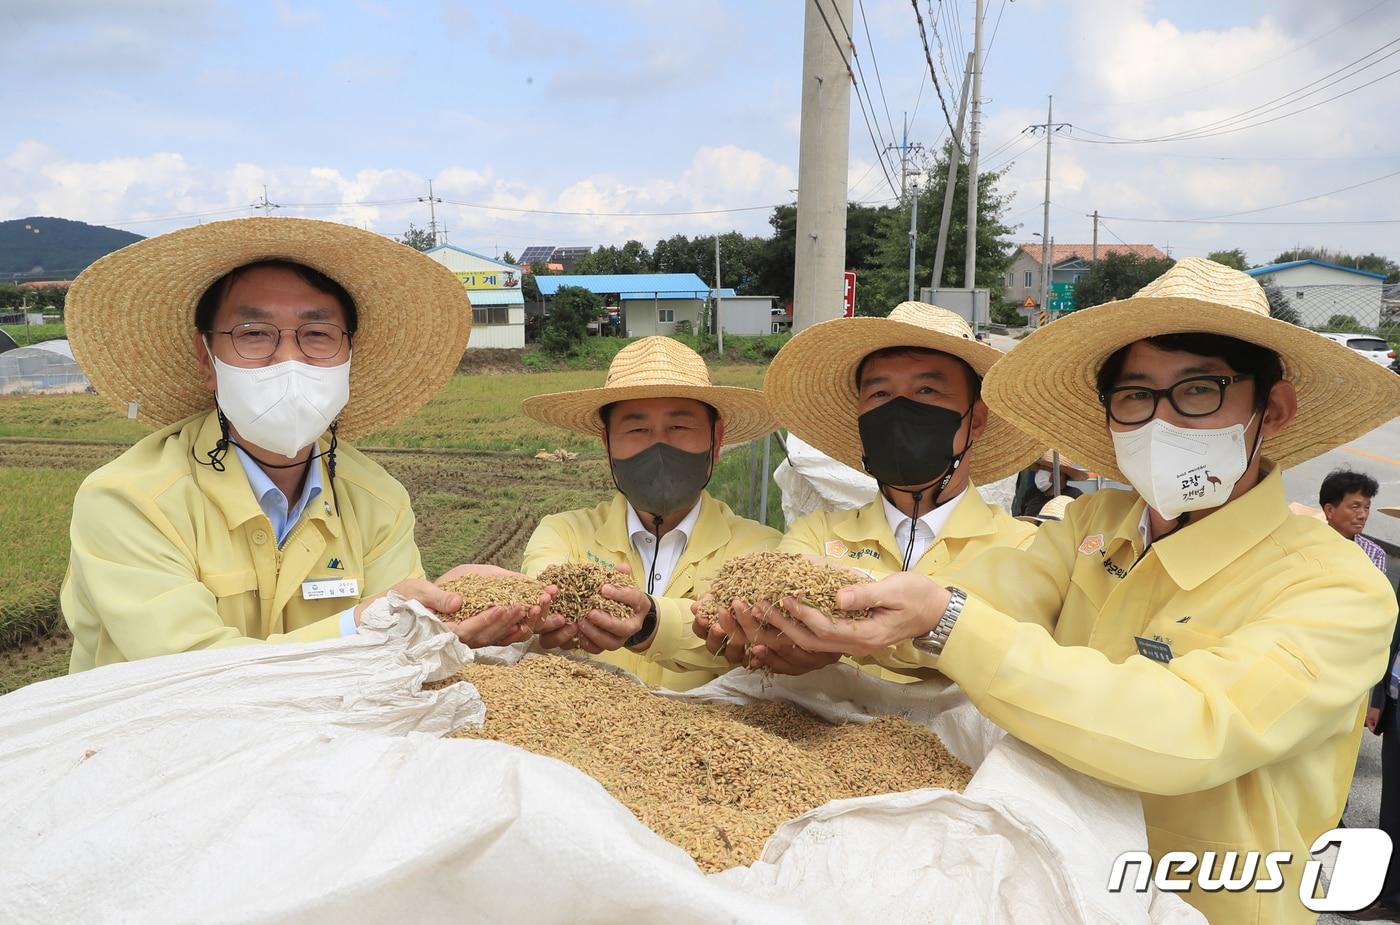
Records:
x=1199, y=551
x=972, y=517
x=231, y=491
x=710, y=533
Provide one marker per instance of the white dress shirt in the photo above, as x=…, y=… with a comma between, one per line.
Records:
x=926, y=531
x=667, y=554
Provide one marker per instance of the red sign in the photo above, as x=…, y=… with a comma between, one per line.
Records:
x=849, y=298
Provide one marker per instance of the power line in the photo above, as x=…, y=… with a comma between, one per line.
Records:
x=1002, y=9
x=1207, y=221
x=875, y=62
x=478, y=205
x=1112, y=232
x=1224, y=127
x=1295, y=202
x=879, y=142
x=928, y=57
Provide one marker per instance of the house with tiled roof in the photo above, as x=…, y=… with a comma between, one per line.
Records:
x=1068, y=263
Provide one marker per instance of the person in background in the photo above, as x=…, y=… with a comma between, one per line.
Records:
x=246, y=518
x=1346, y=497
x=662, y=424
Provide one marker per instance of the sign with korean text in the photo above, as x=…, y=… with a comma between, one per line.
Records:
x=849, y=296
x=490, y=279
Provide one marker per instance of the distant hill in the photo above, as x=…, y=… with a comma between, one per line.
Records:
x=55, y=247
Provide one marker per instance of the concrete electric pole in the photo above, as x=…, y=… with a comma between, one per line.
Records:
x=432, y=202
x=905, y=150
x=954, y=158
x=822, y=162
x=1050, y=127
x=970, y=269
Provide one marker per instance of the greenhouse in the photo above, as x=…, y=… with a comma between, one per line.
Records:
x=43, y=369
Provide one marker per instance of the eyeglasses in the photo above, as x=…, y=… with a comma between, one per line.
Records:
x=258, y=340
x=1195, y=397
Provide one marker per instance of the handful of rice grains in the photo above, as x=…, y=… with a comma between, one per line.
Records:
x=579, y=586
x=481, y=592
x=716, y=780
x=775, y=576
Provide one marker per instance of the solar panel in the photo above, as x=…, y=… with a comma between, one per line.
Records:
x=562, y=254
x=536, y=253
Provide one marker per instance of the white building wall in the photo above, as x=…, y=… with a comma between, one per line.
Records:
x=1317, y=293
x=510, y=336
x=746, y=315
x=640, y=315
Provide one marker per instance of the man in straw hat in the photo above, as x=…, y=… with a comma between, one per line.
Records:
x=662, y=424
x=243, y=518
x=899, y=397
x=1192, y=641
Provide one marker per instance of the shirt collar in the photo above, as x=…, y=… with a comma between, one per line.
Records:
x=269, y=495
x=935, y=519
x=1197, y=552
x=685, y=528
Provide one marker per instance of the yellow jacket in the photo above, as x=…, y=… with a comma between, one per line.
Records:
x=861, y=538
x=169, y=555
x=676, y=658
x=1246, y=739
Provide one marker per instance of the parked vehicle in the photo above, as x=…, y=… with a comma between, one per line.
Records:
x=1373, y=348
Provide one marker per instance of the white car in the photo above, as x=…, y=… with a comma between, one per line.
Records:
x=1371, y=347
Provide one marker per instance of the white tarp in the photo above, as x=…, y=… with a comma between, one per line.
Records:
x=310, y=783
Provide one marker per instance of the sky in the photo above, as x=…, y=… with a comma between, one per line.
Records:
x=151, y=115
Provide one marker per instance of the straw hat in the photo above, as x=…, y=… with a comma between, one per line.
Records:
x=1054, y=509
x=1392, y=511
x=1046, y=385
x=655, y=367
x=811, y=385
x=131, y=316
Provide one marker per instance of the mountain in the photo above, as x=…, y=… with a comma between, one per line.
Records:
x=55, y=248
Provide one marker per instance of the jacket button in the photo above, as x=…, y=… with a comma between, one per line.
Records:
x=259, y=537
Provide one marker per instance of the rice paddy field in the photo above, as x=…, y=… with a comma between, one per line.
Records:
x=467, y=459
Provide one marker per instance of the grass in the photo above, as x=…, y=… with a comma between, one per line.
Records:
x=35, y=506
x=467, y=459
x=34, y=333
x=598, y=352
x=734, y=480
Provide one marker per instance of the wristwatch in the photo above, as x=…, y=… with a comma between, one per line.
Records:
x=648, y=627
x=934, y=640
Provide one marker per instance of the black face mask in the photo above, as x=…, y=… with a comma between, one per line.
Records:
x=909, y=443
x=662, y=480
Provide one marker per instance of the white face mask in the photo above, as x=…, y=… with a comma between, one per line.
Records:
x=1177, y=469
x=284, y=407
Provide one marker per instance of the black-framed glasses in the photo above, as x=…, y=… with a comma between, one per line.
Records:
x=1194, y=397
x=258, y=340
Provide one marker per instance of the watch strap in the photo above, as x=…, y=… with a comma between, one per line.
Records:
x=648, y=627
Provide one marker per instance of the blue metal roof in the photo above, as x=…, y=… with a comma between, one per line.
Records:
x=463, y=250
x=1275, y=267
x=631, y=285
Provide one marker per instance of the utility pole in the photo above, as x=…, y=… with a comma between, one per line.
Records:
x=432, y=201
x=266, y=205
x=1050, y=127
x=954, y=159
x=970, y=269
x=904, y=149
x=719, y=328
x=822, y=161
x=1094, y=248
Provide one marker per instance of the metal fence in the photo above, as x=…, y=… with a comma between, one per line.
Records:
x=1337, y=309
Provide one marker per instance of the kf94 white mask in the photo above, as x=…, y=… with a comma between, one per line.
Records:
x=284, y=407
x=1177, y=469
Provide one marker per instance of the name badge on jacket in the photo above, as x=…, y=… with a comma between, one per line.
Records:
x=325, y=588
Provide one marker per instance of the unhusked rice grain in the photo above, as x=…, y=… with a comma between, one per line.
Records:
x=716, y=780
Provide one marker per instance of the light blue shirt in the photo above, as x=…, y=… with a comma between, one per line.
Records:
x=282, y=517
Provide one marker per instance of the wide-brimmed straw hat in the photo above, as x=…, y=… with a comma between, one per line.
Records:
x=130, y=316
x=1391, y=511
x=811, y=385
x=655, y=367
x=1047, y=384
x=1054, y=509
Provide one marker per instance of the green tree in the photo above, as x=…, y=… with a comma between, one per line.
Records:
x=420, y=239
x=777, y=256
x=1117, y=276
x=1234, y=258
x=631, y=257
x=1344, y=324
x=529, y=288
x=508, y=258
x=570, y=313
x=1278, y=303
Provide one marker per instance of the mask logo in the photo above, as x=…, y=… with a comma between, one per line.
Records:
x=1091, y=544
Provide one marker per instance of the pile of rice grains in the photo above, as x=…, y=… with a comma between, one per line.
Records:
x=716, y=780
x=776, y=576
x=579, y=590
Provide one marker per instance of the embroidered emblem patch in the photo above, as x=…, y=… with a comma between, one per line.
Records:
x=1091, y=544
x=836, y=549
